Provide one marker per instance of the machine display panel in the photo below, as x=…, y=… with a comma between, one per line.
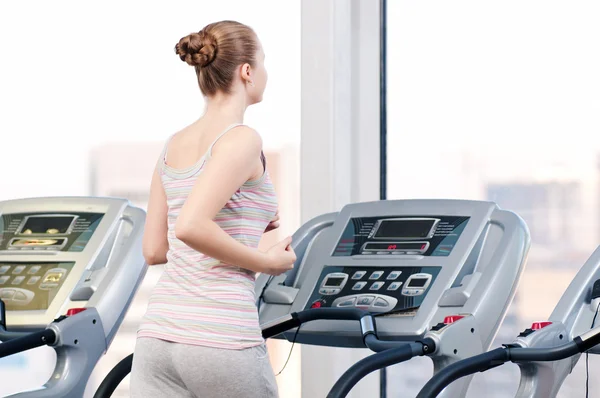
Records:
x=31, y=286
x=46, y=225
x=47, y=231
x=418, y=235
x=405, y=228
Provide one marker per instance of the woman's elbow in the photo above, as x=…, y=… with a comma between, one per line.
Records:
x=154, y=257
x=182, y=231
x=155, y=254
x=191, y=235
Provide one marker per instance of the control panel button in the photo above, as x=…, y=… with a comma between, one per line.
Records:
x=376, y=285
x=376, y=275
x=34, y=269
x=393, y=275
x=386, y=252
x=18, y=269
x=394, y=286
x=17, y=296
x=4, y=269
x=329, y=291
x=4, y=279
x=18, y=280
x=365, y=300
x=48, y=286
x=33, y=280
x=358, y=275
x=381, y=303
x=359, y=285
x=412, y=292
x=347, y=303
x=20, y=296
x=317, y=304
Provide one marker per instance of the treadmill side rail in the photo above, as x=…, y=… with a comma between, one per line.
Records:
x=80, y=344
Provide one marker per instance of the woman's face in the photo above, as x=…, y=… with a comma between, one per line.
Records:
x=259, y=78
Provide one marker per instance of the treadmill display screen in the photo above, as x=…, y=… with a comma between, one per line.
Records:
x=54, y=231
x=334, y=282
x=38, y=242
x=398, y=234
x=31, y=286
x=404, y=229
x=46, y=225
x=417, y=282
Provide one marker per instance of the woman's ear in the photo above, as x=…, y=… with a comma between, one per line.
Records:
x=246, y=73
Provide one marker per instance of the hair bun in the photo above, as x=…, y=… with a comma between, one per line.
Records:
x=197, y=49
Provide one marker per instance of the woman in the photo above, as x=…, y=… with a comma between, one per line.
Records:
x=211, y=199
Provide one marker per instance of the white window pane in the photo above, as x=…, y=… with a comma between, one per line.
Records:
x=500, y=101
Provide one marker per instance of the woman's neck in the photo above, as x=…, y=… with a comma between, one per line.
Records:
x=226, y=107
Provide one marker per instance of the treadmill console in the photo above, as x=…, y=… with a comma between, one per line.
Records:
x=56, y=253
x=409, y=262
x=389, y=289
x=77, y=260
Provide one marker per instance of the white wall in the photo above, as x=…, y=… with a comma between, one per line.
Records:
x=340, y=142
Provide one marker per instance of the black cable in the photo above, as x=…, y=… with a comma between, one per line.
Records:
x=291, y=349
x=587, y=359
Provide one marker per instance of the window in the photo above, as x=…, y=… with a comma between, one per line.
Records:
x=90, y=92
x=500, y=102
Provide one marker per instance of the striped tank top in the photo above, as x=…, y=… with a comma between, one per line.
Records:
x=200, y=300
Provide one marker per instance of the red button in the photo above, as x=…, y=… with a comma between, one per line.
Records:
x=316, y=304
x=539, y=325
x=73, y=311
x=452, y=318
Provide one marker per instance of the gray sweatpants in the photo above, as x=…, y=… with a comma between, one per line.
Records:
x=162, y=369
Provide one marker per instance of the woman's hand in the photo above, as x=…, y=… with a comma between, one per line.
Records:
x=280, y=258
x=274, y=224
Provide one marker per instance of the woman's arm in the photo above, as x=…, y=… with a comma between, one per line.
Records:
x=155, y=244
x=234, y=161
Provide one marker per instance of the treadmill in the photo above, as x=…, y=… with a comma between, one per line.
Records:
x=410, y=277
x=548, y=350
x=69, y=269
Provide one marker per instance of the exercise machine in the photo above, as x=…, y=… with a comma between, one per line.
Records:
x=429, y=270
x=416, y=267
x=547, y=351
x=69, y=268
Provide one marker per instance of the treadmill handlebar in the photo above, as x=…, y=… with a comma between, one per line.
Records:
x=391, y=353
x=2, y=315
x=587, y=340
x=296, y=319
x=27, y=342
x=497, y=357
